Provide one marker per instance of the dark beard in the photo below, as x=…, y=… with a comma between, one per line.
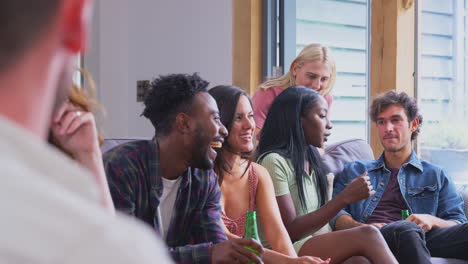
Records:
x=200, y=150
x=394, y=149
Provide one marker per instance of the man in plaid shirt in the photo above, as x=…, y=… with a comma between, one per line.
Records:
x=169, y=183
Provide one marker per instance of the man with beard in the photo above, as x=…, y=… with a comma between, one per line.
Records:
x=168, y=182
x=437, y=225
x=50, y=206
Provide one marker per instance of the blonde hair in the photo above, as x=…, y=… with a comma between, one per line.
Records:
x=312, y=52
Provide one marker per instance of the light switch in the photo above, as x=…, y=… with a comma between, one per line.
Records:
x=142, y=88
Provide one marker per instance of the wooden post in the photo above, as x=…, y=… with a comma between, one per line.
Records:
x=392, y=52
x=246, y=46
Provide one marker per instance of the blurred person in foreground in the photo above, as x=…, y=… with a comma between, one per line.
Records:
x=52, y=211
x=74, y=131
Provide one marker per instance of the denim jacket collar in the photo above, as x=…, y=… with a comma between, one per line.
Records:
x=413, y=160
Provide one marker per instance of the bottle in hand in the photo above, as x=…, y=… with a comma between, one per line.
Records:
x=251, y=230
x=404, y=214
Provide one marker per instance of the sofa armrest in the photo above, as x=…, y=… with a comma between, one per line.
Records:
x=464, y=194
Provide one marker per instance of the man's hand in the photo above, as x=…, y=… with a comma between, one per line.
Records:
x=358, y=189
x=233, y=251
x=425, y=221
x=308, y=260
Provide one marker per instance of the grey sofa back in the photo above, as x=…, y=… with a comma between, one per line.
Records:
x=110, y=143
x=464, y=194
x=337, y=155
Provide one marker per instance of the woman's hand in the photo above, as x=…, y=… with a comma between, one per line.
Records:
x=75, y=130
x=358, y=189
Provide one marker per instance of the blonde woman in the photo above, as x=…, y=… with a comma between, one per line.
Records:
x=313, y=68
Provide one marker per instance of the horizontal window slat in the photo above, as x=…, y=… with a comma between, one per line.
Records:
x=439, y=6
x=333, y=12
x=436, y=24
x=342, y=131
x=331, y=36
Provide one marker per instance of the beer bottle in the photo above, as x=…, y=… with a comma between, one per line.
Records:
x=251, y=231
x=404, y=214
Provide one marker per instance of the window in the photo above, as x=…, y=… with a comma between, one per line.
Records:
x=341, y=25
x=442, y=85
x=441, y=66
x=77, y=79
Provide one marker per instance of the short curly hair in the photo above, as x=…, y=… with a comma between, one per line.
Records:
x=170, y=95
x=391, y=98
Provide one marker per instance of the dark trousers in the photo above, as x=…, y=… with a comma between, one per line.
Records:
x=410, y=244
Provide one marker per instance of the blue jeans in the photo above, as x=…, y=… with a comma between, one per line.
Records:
x=410, y=244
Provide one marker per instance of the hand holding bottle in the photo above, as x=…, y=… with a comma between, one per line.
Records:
x=234, y=251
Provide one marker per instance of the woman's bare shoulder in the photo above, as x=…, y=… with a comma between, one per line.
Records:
x=261, y=171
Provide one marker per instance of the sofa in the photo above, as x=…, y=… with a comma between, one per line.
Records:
x=335, y=157
x=338, y=154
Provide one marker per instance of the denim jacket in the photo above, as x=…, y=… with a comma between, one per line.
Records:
x=425, y=188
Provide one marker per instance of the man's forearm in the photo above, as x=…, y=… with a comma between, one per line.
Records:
x=346, y=222
x=444, y=223
x=200, y=253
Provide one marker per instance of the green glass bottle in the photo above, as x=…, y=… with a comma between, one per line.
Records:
x=251, y=231
x=404, y=214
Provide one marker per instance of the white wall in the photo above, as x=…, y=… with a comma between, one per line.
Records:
x=140, y=39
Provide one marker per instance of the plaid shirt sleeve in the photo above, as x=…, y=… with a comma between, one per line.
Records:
x=208, y=227
x=121, y=181
x=197, y=254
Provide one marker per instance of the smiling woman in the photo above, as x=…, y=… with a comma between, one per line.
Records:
x=245, y=185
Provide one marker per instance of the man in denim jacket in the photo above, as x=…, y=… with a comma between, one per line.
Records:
x=437, y=225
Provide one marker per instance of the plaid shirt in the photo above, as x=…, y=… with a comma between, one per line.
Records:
x=135, y=182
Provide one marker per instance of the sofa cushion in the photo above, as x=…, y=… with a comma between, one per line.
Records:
x=110, y=143
x=447, y=261
x=464, y=194
x=337, y=155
